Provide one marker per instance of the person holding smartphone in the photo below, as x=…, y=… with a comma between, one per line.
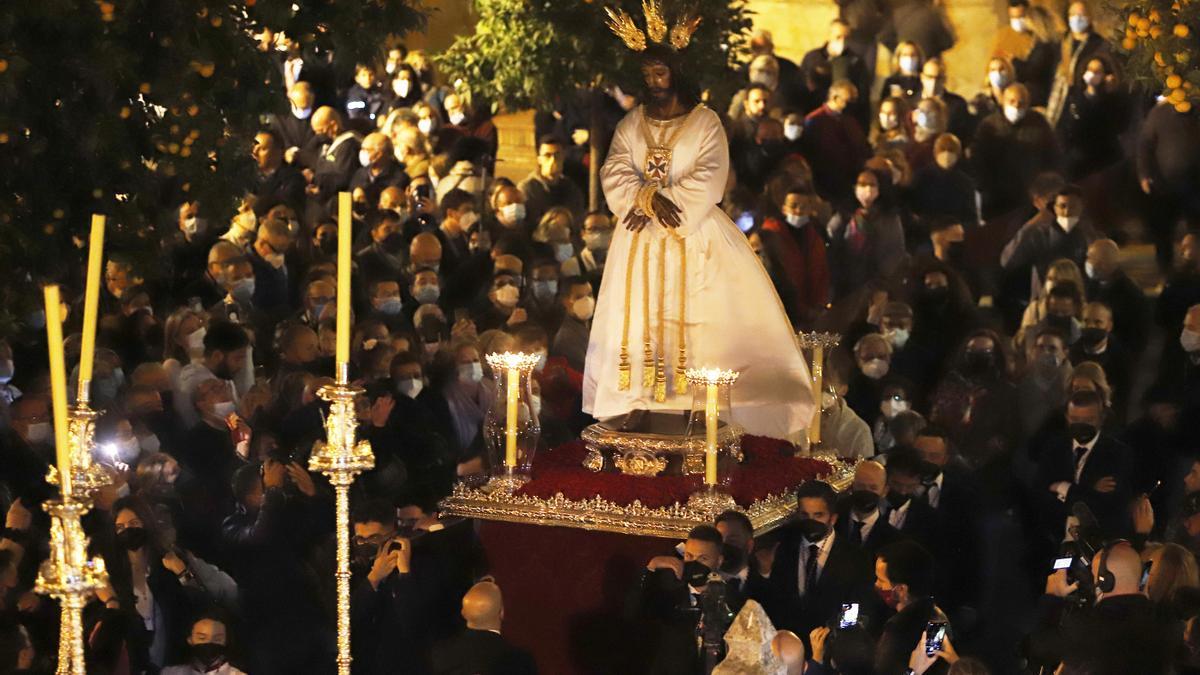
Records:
x=904, y=579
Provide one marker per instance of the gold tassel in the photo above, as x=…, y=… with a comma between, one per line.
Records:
x=681, y=384
x=660, y=364
x=647, y=348
x=623, y=372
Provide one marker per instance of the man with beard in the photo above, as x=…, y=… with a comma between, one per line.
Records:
x=226, y=356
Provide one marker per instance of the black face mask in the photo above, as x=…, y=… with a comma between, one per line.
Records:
x=864, y=501
x=132, y=538
x=394, y=243
x=208, y=654
x=1082, y=432
x=364, y=555
x=897, y=500
x=221, y=370
x=1060, y=323
x=812, y=530
x=328, y=245
x=935, y=297
x=1091, y=337
x=695, y=573
x=978, y=363
x=929, y=471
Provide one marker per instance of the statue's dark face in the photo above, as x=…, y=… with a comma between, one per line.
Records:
x=656, y=77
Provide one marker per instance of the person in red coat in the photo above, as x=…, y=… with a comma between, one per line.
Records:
x=799, y=246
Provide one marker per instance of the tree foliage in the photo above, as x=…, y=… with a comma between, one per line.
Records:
x=1158, y=41
x=113, y=105
x=526, y=54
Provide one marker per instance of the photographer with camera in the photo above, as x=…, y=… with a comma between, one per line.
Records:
x=1117, y=633
x=687, y=603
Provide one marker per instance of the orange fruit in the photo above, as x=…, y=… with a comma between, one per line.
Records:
x=1174, y=82
x=1181, y=30
x=1155, y=16
x=3, y=65
x=1134, y=18
x=1183, y=106
x=1155, y=32
x=1128, y=44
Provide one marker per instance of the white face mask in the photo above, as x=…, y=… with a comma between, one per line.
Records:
x=892, y=407
x=508, y=296
x=888, y=121
x=908, y=65
x=898, y=337
x=828, y=401
x=457, y=118
x=1089, y=269
x=1188, y=339
x=468, y=219
x=402, y=87
x=6, y=371
x=1017, y=23
x=470, y=372
x=195, y=340
x=1013, y=114
x=946, y=160
x=302, y=113
x=597, y=241
x=541, y=362
x=563, y=252
x=38, y=433
x=511, y=214
x=1092, y=79
x=875, y=368
x=425, y=125
x=866, y=195
x=998, y=79
x=364, y=158
x=149, y=443
x=1067, y=223
x=584, y=307
x=223, y=409
x=411, y=386
x=1078, y=23
x=535, y=403
x=793, y=132
x=191, y=226
x=796, y=220
x=125, y=451
x=836, y=47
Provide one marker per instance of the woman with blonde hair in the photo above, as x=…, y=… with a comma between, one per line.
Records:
x=1000, y=74
x=1036, y=70
x=1172, y=567
x=183, y=340
x=905, y=80
x=1090, y=376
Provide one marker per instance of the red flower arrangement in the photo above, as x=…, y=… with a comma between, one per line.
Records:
x=769, y=469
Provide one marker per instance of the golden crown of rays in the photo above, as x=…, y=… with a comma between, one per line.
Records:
x=620, y=23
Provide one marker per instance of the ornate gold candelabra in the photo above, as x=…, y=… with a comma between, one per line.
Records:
x=711, y=385
x=69, y=575
x=341, y=457
x=513, y=438
x=819, y=344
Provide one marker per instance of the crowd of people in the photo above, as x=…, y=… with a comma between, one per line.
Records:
x=1028, y=478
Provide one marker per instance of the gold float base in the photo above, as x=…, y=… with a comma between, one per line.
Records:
x=661, y=443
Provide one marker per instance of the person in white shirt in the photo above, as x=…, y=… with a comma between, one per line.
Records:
x=206, y=644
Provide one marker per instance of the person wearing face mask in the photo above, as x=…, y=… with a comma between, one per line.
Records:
x=803, y=580
x=1099, y=344
x=578, y=303
x=425, y=290
x=502, y=308
x=185, y=249
x=406, y=88
x=227, y=358
x=208, y=653
x=378, y=169
x=465, y=121
x=543, y=306
x=1011, y=147
x=873, y=356
x=905, y=579
x=457, y=377
x=837, y=137
x=589, y=262
x=841, y=427
x=905, y=506
x=896, y=401
x=867, y=239
x=1119, y=630
x=268, y=258
x=29, y=449
x=797, y=242
x=1042, y=389
x=459, y=216
x=509, y=210
x=943, y=188
x=1084, y=463
x=1096, y=113
x=670, y=598
x=892, y=128
x=1015, y=39
x=930, y=119
x=331, y=158
x=387, y=304
x=832, y=62
x=293, y=128
x=905, y=81
x=365, y=101
x=1081, y=44
x=546, y=186
x=976, y=403
x=385, y=257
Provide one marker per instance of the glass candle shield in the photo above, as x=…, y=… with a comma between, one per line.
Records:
x=711, y=419
x=512, y=427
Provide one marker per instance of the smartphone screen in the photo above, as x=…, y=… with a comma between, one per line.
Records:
x=849, y=615
x=935, y=633
x=1145, y=574
x=1062, y=563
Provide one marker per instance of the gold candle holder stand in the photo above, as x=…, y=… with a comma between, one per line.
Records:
x=819, y=344
x=341, y=457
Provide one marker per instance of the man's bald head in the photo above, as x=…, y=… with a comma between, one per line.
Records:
x=790, y=649
x=425, y=250
x=483, y=607
x=1191, y=320
x=870, y=476
x=326, y=121
x=1104, y=257
x=1125, y=564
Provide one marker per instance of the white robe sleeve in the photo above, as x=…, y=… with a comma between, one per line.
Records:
x=619, y=176
x=701, y=189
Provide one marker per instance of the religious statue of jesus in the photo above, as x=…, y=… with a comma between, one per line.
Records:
x=682, y=287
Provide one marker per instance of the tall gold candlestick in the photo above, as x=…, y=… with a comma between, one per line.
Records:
x=58, y=388
x=91, y=307
x=819, y=344
x=341, y=457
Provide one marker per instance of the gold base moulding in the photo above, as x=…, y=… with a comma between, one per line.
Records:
x=661, y=447
x=599, y=514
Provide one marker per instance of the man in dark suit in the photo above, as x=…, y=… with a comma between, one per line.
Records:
x=832, y=134
x=860, y=518
x=1106, y=282
x=904, y=579
x=831, y=62
x=814, y=569
x=950, y=493
x=1086, y=465
x=1098, y=343
x=481, y=649
x=294, y=128
x=673, y=595
x=906, y=510
x=275, y=182
x=332, y=159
